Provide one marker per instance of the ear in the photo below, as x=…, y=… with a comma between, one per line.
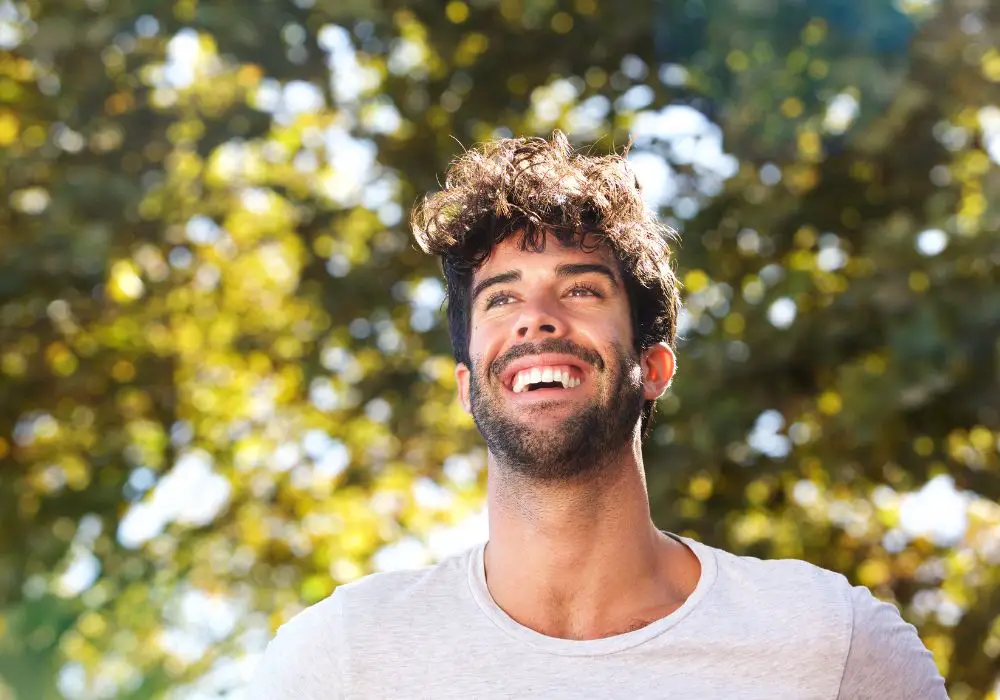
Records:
x=658, y=366
x=462, y=376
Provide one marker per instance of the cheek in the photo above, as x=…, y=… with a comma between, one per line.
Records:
x=475, y=343
x=610, y=322
x=482, y=338
x=627, y=366
x=611, y=333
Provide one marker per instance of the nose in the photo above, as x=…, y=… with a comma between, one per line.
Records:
x=537, y=322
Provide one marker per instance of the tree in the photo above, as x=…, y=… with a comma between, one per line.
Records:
x=224, y=371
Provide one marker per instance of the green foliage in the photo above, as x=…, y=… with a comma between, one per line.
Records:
x=208, y=294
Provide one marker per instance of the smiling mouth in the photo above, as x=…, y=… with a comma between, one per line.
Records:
x=534, y=378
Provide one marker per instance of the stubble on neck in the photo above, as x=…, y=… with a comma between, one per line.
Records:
x=580, y=496
x=577, y=560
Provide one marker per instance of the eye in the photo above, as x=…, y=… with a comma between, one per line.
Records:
x=584, y=290
x=498, y=299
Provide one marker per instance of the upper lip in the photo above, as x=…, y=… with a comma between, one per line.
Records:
x=543, y=360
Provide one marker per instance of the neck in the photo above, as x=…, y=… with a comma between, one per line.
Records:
x=581, y=559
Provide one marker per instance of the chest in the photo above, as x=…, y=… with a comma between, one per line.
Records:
x=748, y=671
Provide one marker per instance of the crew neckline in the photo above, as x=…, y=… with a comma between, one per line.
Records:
x=591, y=647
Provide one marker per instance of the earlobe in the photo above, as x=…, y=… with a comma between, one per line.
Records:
x=659, y=365
x=462, y=376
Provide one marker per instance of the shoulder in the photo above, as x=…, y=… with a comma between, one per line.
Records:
x=309, y=656
x=383, y=595
x=818, y=611
x=800, y=612
x=887, y=659
x=790, y=582
x=302, y=659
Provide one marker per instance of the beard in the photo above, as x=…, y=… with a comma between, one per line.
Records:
x=575, y=446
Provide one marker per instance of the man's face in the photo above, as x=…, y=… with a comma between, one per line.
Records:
x=555, y=384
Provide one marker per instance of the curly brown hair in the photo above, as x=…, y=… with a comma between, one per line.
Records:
x=536, y=186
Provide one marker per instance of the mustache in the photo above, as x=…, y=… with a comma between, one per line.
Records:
x=562, y=346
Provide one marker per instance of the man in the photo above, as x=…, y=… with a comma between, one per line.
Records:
x=562, y=309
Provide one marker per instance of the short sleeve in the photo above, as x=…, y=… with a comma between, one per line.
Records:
x=887, y=660
x=304, y=660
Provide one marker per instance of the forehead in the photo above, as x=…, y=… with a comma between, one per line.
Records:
x=508, y=255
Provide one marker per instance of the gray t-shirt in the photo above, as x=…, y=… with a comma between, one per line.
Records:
x=751, y=629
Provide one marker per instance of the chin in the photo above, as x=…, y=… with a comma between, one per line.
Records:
x=558, y=438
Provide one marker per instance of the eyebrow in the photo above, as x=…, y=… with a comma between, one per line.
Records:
x=503, y=277
x=563, y=270
x=571, y=269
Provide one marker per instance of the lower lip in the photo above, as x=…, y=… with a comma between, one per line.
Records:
x=545, y=394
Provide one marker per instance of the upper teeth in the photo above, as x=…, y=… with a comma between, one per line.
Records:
x=534, y=375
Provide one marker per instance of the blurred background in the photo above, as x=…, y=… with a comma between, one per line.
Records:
x=225, y=381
